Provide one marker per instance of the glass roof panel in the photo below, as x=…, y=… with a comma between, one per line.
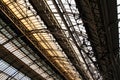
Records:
x=10, y=47
x=40, y=71
x=19, y=54
x=17, y=47
x=2, y=39
x=9, y=72
x=3, y=76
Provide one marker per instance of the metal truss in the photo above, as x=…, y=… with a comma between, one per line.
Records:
x=82, y=45
x=21, y=27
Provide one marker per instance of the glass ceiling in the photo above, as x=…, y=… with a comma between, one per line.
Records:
x=7, y=72
x=28, y=17
x=33, y=23
x=16, y=46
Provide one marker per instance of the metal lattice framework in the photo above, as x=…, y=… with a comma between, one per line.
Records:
x=35, y=42
x=79, y=43
x=17, y=47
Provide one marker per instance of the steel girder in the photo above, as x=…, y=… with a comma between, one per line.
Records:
x=100, y=20
x=55, y=29
x=18, y=64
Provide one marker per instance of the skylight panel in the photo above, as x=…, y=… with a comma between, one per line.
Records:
x=19, y=76
x=25, y=51
x=6, y=33
x=10, y=72
x=50, y=79
x=2, y=39
x=3, y=76
x=26, y=60
x=10, y=47
x=25, y=78
x=34, y=66
x=3, y=66
x=19, y=54
x=16, y=43
x=39, y=70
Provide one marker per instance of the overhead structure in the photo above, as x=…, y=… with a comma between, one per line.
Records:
x=59, y=39
x=16, y=45
x=28, y=25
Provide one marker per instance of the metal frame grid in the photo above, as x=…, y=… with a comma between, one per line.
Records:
x=53, y=50
x=7, y=72
x=16, y=46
